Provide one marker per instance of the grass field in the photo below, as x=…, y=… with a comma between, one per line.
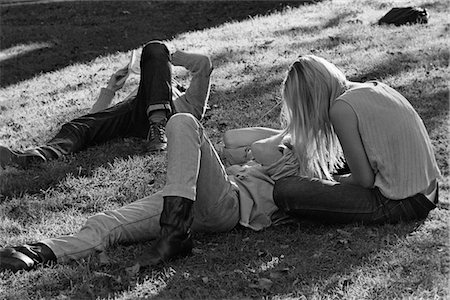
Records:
x=55, y=57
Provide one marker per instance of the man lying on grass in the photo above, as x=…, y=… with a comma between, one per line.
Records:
x=142, y=114
x=394, y=180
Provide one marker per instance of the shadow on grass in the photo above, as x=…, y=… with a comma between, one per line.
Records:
x=400, y=61
x=296, y=260
x=436, y=5
x=289, y=260
x=337, y=19
x=299, y=30
x=45, y=37
x=35, y=179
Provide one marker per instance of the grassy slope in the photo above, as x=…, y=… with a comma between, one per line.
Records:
x=250, y=57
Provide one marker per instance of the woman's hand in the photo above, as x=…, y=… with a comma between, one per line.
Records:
x=118, y=79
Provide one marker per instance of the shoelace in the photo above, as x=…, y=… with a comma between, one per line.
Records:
x=156, y=130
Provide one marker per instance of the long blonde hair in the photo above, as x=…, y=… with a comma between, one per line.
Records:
x=310, y=88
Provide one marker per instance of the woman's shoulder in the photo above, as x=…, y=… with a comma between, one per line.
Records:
x=361, y=88
x=366, y=91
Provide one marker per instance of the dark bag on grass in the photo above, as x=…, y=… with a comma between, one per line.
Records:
x=405, y=15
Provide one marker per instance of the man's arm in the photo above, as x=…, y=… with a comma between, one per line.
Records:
x=115, y=83
x=268, y=150
x=195, y=98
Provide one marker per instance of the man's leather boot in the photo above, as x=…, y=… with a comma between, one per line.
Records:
x=25, y=257
x=175, y=236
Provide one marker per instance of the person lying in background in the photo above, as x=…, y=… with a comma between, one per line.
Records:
x=143, y=114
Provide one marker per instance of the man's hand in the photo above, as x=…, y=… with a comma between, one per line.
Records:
x=118, y=79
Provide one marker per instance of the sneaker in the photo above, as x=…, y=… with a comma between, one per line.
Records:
x=22, y=159
x=157, y=136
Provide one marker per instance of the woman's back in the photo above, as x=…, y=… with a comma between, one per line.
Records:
x=394, y=138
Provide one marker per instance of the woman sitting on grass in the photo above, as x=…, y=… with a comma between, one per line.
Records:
x=393, y=170
x=393, y=173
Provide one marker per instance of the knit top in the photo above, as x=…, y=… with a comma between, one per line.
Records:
x=395, y=140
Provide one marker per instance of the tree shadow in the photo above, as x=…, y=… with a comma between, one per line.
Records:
x=435, y=5
x=45, y=37
x=337, y=19
x=289, y=260
x=34, y=180
x=299, y=30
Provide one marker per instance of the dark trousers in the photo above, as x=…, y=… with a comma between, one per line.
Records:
x=331, y=202
x=125, y=119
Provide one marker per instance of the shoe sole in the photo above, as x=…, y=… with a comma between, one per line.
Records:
x=14, y=261
x=6, y=157
x=9, y=158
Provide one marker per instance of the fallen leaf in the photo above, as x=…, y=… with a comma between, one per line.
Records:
x=372, y=233
x=343, y=232
x=262, y=252
x=275, y=275
x=197, y=251
x=343, y=241
x=133, y=270
x=265, y=283
x=104, y=259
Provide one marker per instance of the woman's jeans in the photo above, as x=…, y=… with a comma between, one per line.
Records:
x=194, y=171
x=126, y=119
x=332, y=202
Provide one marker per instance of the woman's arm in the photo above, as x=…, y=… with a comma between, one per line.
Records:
x=345, y=124
x=242, y=137
x=263, y=143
